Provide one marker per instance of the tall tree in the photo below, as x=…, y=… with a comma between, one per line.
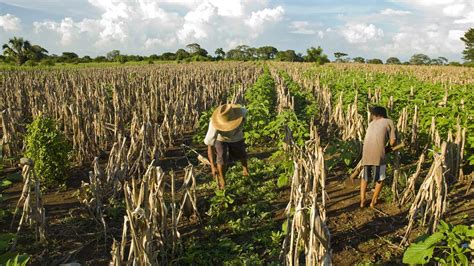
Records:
x=195, y=49
x=18, y=50
x=440, y=61
x=219, y=53
x=358, y=59
x=339, y=56
x=420, y=59
x=181, y=54
x=316, y=55
x=468, y=40
x=266, y=52
x=393, y=61
x=113, y=55
x=375, y=61
x=241, y=52
x=289, y=56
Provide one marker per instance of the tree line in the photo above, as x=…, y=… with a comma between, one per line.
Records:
x=22, y=52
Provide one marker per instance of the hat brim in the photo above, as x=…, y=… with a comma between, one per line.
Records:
x=227, y=125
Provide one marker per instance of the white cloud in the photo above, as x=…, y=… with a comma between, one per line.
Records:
x=10, y=23
x=433, y=40
x=462, y=11
x=301, y=27
x=455, y=10
x=259, y=18
x=149, y=24
x=198, y=23
x=455, y=35
x=361, y=32
x=467, y=19
x=393, y=12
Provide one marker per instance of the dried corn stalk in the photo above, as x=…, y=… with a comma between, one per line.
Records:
x=32, y=211
x=308, y=233
x=430, y=202
x=153, y=240
x=188, y=204
x=409, y=192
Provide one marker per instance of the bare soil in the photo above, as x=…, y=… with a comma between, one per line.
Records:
x=357, y=234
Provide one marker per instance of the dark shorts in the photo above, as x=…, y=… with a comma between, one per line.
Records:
x=374, y=172
x=230, y=150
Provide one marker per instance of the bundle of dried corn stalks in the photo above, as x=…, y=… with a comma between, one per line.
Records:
x=145, y=222
x=32, y=210
x=430, y=201
x=151, y=220
x=307, y=233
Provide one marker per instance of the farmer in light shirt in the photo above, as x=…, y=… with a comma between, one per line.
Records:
x=225, y=134
x=380, y=131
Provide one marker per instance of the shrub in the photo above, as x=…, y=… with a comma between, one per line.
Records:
x=49, y=150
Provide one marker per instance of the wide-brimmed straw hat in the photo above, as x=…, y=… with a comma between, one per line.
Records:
x=227, y=117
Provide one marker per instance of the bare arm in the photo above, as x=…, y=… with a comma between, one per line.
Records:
x=393, y=134
x=210, y=155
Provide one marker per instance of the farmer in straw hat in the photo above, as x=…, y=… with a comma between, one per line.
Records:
x=226, y=135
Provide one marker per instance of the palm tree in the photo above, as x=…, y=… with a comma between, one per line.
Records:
x=17, y=49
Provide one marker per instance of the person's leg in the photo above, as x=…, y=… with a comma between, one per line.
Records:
x=221, y=171
x=363, y=184
x=378, y=188
x=245, y=168
x=363, y=187
x=221, y=151
x=379, y=177
x=237, y=151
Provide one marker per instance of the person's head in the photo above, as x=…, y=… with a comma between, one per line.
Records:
x=378, y=112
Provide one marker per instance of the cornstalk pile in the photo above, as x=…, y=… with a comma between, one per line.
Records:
x=308, y=237
x=32, y=209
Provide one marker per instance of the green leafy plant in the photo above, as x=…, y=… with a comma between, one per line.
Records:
x=9, y=258
x=261, y=99
x=18, y=260
x=49, y=150
x=449, y=245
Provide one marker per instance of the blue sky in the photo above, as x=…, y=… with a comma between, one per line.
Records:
x=371, y=29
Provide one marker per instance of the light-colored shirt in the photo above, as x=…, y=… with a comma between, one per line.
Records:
x=225, y=136
x=377, y=135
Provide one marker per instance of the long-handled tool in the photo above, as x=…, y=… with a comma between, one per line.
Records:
x=200, y=158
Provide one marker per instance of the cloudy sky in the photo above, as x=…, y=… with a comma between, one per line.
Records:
x=371, y=29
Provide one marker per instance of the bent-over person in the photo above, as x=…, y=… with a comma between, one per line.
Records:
x=380, y=131
x=226, y=136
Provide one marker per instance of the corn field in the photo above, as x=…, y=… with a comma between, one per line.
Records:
x=131, y=129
